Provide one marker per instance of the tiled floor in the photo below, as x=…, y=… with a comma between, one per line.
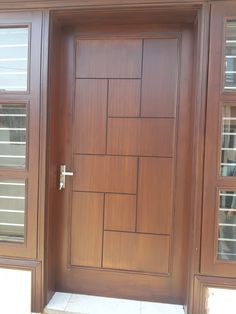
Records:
x=84, y=304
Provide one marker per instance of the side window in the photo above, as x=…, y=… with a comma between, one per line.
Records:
x=20, y=83
x=14, y=51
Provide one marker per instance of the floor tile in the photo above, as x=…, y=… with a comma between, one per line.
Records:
x=59, y=301
x=160, y=308
x=85, y=304
x=52, y=311
x=65, y=303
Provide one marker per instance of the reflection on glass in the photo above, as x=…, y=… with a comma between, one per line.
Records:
x=228, y=147
x=13, y=121
x=227, y=226
x=230, y=56
x=13, y=59
x=12, y=210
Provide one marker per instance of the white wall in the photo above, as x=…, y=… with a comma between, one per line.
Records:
x=221, y=301
x=15, y=291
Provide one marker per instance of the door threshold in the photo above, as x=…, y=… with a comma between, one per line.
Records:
x=67, y=303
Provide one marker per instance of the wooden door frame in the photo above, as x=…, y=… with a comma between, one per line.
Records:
x=75, y=4
x=218, y=97
x=200, y=100
x=199, y=103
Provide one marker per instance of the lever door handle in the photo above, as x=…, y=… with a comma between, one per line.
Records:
x=63, y=174
x=67, y=173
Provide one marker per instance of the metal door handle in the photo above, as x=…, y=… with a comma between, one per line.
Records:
x=63, y=174
x=66, y=173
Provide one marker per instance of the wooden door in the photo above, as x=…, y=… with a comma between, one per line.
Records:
x=123, y=228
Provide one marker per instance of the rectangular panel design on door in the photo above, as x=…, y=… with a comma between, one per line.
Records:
x=130, y=153
x=126, y=229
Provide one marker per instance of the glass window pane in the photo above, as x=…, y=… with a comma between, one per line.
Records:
x=227, y=226
x=14, y=44
x=12, y=210
x=230, y=56
x=228, y=146
x=13, y=122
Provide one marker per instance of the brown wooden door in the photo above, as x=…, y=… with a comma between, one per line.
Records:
x=123, y=228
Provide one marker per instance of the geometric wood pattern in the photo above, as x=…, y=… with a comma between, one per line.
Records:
x=124, y=154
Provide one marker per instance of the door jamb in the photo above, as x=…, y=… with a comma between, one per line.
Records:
x=199, y=99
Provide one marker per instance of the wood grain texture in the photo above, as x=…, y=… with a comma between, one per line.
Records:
x=138, y=252
x=105, y=174
x=31, y=172
x=160, y=74
x=213, y=182
x=200, y=85
x=135, y=284
x=90, y=116
x=124, y=98
x=120, y=212
x=140, y=137
x=109, y=58
x=155, y=195
x=151, y=6
x=87, y=229
x=201, y=290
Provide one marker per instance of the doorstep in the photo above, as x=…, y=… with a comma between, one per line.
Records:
x=66, y=303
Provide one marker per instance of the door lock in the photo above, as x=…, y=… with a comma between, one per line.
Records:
x=63, y=174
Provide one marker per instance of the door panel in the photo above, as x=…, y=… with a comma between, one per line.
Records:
x=119, y=58
x=124, y=98
x=135, y=251
x=120, y=212
x=159, y=87
x=90, y=116
x=86, y=228
x=140, y=137
x=125, y=234
x=155, y=195
x=105, y=174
